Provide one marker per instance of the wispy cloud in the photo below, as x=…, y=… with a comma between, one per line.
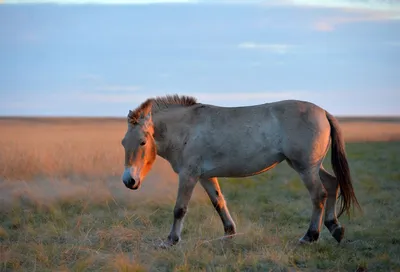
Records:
x=353, y=10
x=372, y=5
x=272, y=48
x=330, y=23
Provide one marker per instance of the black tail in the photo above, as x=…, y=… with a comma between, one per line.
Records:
x=341, y=168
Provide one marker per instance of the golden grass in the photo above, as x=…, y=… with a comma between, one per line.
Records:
x=371, y=131
x=46, y=160
x=60, y=150
x=73, y=212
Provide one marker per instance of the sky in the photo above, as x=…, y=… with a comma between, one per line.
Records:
x=103, y=57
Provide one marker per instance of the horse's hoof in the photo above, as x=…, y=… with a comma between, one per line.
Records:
x=169, y=242
x=165, y=244
x=230, y=230
x=338, y=233
x=335, y=229
x=304, y=241
x=309, y=237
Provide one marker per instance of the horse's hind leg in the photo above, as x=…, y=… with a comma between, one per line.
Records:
x=331, y=222
x=318, y=194
x=211, y=186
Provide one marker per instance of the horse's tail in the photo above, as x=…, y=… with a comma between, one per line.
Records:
x=341, y=168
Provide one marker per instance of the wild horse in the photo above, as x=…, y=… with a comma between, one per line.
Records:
x=203, y=142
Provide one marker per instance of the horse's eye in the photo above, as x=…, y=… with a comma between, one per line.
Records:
x=143, y=143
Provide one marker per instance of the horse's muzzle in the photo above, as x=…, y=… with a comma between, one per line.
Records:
x=129, y=181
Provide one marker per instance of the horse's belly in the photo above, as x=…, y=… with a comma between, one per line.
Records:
x=233, y=167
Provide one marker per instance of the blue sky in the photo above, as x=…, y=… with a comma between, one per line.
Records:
x=99, y=58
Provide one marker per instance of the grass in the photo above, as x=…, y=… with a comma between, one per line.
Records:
x=63, y=207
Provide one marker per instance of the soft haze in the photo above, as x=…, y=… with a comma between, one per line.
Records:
x=102, y=58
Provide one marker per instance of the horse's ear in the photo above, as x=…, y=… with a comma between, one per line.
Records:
x=131, y=118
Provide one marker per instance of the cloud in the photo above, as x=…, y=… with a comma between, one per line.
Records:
x=330, y=23
x=353, y=10
x=272, y=48
x=372, y=5
x=102, y=2
x=323, y=26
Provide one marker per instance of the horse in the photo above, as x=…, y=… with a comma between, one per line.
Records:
x=203, y=142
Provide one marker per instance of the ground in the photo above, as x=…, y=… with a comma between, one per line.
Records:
x=63, y=207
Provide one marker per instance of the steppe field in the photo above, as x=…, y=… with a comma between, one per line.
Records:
x=63, y=206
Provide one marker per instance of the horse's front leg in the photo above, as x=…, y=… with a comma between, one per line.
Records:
x=211, y=186
x=185, y=190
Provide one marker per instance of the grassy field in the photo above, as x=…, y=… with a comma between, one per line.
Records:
x=63, y=207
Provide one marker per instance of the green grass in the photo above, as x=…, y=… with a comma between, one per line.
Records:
x=271, y=210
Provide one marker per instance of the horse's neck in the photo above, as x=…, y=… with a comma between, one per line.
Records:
x=165, y=136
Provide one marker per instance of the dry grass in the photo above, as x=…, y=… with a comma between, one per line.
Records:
x=63, y=207
x=34, y=149
x=49, y=160
x=372, y=131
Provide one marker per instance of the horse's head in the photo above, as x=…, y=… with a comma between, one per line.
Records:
x=140, y=148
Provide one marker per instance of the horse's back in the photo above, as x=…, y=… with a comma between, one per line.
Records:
x=286, y=113
x=229, y=138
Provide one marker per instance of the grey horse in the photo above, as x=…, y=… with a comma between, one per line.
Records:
x=203, y=142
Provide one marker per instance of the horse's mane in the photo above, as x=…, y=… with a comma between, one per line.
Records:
x=159, y=103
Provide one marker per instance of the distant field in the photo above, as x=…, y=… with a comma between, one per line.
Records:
x=63, y=206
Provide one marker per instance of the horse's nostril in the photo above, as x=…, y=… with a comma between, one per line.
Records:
x=130, y=183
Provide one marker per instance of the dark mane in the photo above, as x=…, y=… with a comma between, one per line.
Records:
x=159, y=103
